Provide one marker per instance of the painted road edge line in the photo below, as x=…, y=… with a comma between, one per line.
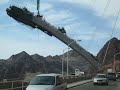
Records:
x=78, y=83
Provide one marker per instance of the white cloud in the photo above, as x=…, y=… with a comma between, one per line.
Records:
x=50, y=13
x=56, y=17
x=4, y=1
x=85, y=2
x=98, y=5
x=33, y=8
x=84, y=31
x=91, y=36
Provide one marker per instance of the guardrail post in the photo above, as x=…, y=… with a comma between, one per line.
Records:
x=22, y=84
x=12, y=86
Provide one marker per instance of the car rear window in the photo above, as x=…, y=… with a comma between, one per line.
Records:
x=101, y=76
x=43, y=80
x=113, y=74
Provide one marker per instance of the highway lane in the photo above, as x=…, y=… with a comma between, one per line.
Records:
x=113, y=85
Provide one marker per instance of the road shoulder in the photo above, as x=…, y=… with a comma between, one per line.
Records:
x=78, y=83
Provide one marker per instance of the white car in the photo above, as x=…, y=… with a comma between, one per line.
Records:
x=100, y=79
x=47, y=82
x=118, y=75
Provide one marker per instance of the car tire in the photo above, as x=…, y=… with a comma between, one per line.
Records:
x=107, y=84
x=66, y=89
x=94, y=83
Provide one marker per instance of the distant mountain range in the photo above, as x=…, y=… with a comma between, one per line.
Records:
x=20, y=64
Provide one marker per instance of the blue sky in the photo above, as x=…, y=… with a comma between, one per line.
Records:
x=83, y=20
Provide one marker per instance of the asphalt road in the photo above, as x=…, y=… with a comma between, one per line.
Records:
x=113, y=85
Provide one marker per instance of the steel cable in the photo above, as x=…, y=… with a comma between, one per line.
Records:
x=94, y=33
x=111, y=36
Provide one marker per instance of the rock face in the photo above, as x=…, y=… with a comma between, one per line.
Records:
x=77, y=62
x=114, y=47
x=17, y=65
x=2, y=67
x=41, y=61
x=2, y=62
x=50, y=64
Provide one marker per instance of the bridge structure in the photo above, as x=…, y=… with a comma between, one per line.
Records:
x=22, y=15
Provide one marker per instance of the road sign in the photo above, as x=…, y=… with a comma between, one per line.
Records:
x=77, y=72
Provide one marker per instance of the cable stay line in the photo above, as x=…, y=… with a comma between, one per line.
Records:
x=106, y=7
x=91, y=4
x=93, y=35
x=111, y=36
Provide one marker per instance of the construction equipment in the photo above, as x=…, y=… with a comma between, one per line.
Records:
x=38, y=7
x=26, y=17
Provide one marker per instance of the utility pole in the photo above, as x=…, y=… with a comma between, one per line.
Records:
x=115, y=60
x=68, y=55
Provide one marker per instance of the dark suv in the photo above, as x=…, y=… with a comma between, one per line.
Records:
x=111, y=76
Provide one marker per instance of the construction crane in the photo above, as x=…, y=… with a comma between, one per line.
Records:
x=38, y=7
x=24, y=16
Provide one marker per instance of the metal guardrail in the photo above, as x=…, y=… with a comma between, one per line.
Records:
x=22, y=86
x=10, y=85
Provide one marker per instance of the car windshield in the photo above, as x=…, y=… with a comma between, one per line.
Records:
x=113, y=74
x=43, y=80
x=100, y=76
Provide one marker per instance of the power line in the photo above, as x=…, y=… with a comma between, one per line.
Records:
x=91, y=4
x=111, y=37
x=105, y=9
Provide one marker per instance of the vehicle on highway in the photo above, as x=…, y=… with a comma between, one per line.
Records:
x=100, y=79
x=111, y=76
x=47, y=82
x=118, y=75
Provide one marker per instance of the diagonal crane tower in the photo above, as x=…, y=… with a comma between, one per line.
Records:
x=26, y=17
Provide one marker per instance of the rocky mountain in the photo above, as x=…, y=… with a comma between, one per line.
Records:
x=41, y=60
x=78, y=62
x=20, y=64
x=114, y=47
x=50, y=64
x=2, y=63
